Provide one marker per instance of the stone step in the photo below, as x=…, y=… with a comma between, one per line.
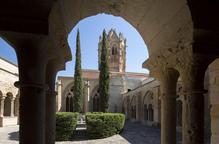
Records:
x=81, y=125
x=80, y=134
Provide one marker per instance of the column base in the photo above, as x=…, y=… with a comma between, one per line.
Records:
x=8, y=121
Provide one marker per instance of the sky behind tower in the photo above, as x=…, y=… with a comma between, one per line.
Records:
x=90, y=30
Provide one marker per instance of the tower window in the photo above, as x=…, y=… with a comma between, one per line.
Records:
x=114, y=51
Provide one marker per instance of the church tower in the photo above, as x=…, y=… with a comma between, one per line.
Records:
x=116, y=50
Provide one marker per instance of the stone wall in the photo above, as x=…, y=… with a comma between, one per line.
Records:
x=119, y=83
x=8, y=75
x=9, y=97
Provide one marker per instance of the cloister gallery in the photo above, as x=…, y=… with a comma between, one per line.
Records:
x=182, y=39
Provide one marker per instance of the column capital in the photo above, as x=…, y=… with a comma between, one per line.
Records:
x=51, y=93
x=2, y=97
x=19, y=84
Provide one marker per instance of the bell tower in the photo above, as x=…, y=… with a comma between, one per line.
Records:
x=116, y=50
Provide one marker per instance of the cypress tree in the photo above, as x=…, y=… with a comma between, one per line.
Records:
x=78, y=81
x=104, y=75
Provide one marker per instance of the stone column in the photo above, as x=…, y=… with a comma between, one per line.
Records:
x=12, y=106
x=32, y=62
x=193, y=112
x=51, y=71
x=50, y=116
x=168, y=81
x=192, y=74
x=2, y=101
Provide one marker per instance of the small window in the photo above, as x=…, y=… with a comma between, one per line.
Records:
x=114, y=51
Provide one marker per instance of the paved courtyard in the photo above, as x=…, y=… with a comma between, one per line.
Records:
x=133, y=133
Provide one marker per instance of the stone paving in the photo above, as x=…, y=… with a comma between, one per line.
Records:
x=133, y=133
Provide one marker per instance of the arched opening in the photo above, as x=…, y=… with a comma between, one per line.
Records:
x=133, y=108
x=150, y=113
x=122, y=28
x=96, y=103
x=157, y=22
x=179, y=113
x=148, y=102
x=7, y=104
x=67, y=104
x=71, y=104
x=69, y=99
x=145, y=112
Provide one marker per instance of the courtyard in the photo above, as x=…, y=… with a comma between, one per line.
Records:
x=133, y=133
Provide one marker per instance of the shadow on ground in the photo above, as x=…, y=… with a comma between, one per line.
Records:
x=14, y=136
x=136, y=133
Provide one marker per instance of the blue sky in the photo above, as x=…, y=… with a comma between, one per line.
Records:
x=90, y=30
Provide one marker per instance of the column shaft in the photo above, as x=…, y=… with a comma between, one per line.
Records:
x=193, y=117
x=50, y=116
x=168, y=80
x=12, y=107
x=168, y=121
x=2, y=107
x=32, y=66
x=51, y=70
x=193, y=103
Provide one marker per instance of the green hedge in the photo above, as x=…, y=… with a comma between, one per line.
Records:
x=65, y=125
x=101, y=125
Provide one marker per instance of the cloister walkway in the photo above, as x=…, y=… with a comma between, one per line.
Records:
x=133, y=133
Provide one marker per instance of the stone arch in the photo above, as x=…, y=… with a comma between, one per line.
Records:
x=95, y=99
x=148, y=102
x=68, y=98
x=140, y=15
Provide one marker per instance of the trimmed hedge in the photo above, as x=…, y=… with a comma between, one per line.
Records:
x=65, y=125
x=101, y=125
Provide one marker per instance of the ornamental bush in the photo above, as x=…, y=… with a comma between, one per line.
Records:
x=65, y=125
x=101, y=125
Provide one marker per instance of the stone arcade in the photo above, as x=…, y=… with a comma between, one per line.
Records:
x=9, y=96
x=182, y=39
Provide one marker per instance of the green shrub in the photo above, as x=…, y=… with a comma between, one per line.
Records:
x=65, y=125
x=101, y=125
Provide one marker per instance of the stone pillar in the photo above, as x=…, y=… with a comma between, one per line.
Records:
x=51, y=71
x=32, y=62
x=16, y=113
x=2, y=101
x=192, y=74
x=12, y=106
x=168, y=80
x=193, y=108
x=50, y=116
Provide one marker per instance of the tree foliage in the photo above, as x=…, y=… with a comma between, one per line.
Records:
x=78, y=81
x=104, y=76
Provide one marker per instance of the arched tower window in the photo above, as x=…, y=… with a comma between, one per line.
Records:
x=114, y=50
